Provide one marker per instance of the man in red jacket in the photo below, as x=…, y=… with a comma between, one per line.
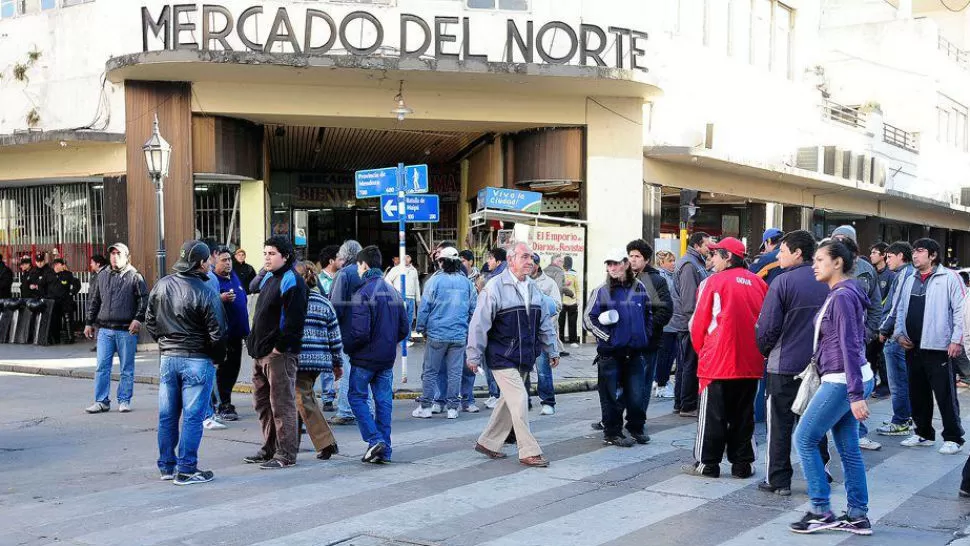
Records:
x=729, y=364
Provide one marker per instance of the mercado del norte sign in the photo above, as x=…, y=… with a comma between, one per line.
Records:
x=309, y=31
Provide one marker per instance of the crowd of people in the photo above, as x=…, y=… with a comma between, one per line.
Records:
x=813, y=327
x=46, y=276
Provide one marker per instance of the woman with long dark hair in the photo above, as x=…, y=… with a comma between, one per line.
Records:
x=839, y=404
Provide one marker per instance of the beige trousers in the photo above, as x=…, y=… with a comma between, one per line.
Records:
x=511, y=413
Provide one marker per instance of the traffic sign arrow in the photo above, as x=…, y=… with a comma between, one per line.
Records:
x=418, y=209
x=390, y=207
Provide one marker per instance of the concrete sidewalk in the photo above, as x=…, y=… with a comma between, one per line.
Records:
x=575, y=372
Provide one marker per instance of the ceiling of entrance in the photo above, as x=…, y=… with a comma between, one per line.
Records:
x=332, y=149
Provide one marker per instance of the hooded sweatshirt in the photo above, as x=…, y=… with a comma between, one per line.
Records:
x=842, y=338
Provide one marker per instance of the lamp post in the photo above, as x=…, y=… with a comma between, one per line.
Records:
x=157, y=155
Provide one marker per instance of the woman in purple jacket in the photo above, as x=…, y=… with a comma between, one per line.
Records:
x=840, y=402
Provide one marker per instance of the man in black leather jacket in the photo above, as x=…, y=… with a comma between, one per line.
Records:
x=187, y=320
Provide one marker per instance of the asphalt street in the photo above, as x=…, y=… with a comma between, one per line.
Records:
x=71, y=478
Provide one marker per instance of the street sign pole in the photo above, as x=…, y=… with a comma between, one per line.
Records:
x=401, y=213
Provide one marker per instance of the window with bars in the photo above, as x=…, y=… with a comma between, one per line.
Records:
x=217, y=212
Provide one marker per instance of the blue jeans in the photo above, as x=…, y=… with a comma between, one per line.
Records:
x=410, y=306
x=546, y=389
x=490, y=379
x=621, y=383
x=184, y=388
x=343, y=388
x=665, y=358
x=109, y=343
x=898, y=382
x=442, y=357
x=327, y=391
x=376, y=428
x=829, y=410
x=466, y=392
x=649, y=370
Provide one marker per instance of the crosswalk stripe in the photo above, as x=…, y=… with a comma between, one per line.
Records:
x=461, y=501
x=148, y=493
x=292, y=498
x=890, y=484
x=626, y=514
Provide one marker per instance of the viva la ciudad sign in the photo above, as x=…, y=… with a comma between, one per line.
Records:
x=302, y=30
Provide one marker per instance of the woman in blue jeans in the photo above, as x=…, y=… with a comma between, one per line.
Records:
x=840, y=402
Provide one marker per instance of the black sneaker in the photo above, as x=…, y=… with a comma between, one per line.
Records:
x=166, y=475
x=375, y=453
x=276, y=464
x=703, y=470
x=258, y=458
x=200, y=476
x=768, y=488
x=812, y=523
x=856, y=526
x=327, y=452
x=619, y=441
x=228, y=413
x=328, y=407
x=640, y=438
x=742, y=470
x=598, y=425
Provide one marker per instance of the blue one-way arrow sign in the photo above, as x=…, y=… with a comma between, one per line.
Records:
x=418, y=209
x=378, y=182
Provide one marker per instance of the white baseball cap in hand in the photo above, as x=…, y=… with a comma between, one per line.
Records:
x=609, y=318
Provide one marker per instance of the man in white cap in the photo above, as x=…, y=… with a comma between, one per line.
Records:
x=620, y=317
x=117, y=308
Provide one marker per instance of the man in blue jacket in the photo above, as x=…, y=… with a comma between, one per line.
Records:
x=620, y=317
x=275, y=343
x=766, y=265
x=899, y=257
x=233, y=297
x=448, y=305
x=786, y=335
x=377, y=323
x=345, y=284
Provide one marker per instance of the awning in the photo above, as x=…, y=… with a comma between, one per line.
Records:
x=481, y=217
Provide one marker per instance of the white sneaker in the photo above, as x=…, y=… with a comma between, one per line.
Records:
x=867, y=444
x=548, y=410
x=574, y=345
x=472, y=408
x=453, y=413
x=124, y=407
x=410, y=343
x=950, y=448
x=491, y=402
x=421, y=413
x=916, y=441
x=436, y=408
x=213, y=424
x=97, y=407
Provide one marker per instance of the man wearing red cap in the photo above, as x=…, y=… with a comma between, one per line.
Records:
x=729, y=364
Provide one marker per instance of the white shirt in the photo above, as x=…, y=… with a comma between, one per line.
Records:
x=523, y=288
x=410, y=280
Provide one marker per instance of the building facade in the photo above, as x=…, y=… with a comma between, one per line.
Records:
x=791, y=114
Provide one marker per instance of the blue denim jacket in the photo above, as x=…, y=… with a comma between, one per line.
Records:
x=447, y=305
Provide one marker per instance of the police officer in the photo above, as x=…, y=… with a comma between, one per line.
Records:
x=62, y=291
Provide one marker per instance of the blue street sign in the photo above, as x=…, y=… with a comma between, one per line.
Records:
x=418, y=209
x=416, y=179
x=506, y=199
x=378, y=182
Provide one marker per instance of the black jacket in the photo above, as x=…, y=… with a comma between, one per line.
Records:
x=65, y=287
x=37, y=282
x=186, y=317
x=245, y=272
x=661, y=303
x=280, y=314
x=6, y=281
x=120, y=297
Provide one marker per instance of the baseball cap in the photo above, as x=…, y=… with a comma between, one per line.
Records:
x=448, y=253
x=39, y=257
x=535, y=258
x=615, y=255
x=771, y=233
x=121, y=248
x=730, y=244
x=192, y=253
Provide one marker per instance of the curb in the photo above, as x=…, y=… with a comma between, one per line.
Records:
x=563, y=387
